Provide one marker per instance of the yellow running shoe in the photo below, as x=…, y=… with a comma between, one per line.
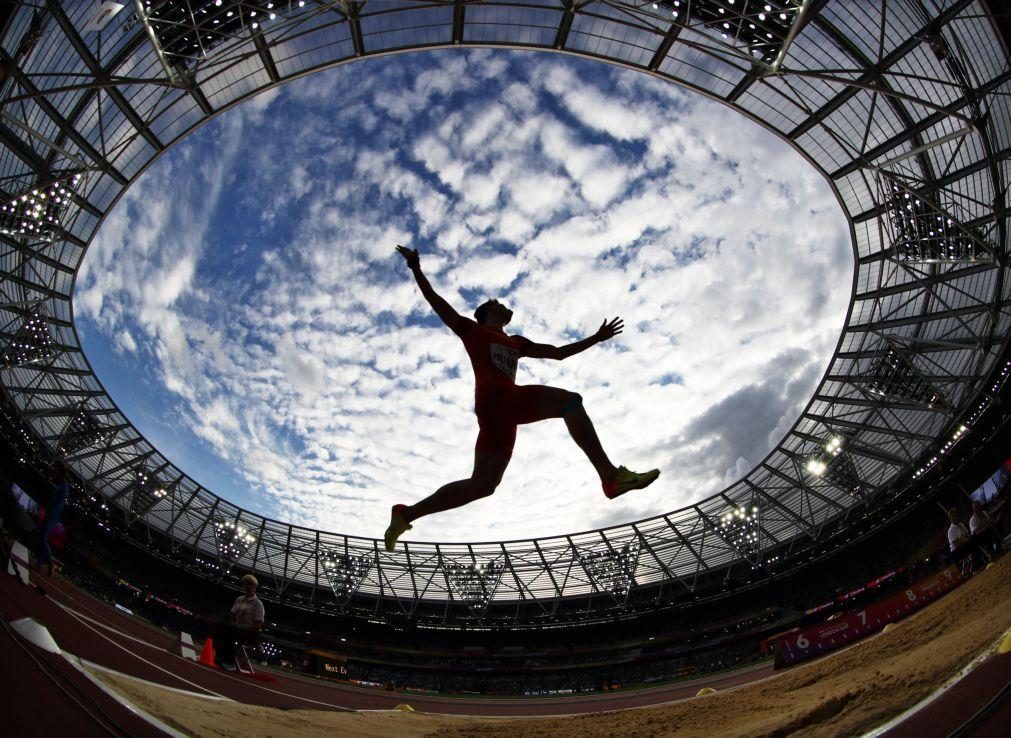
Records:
x=625, y=481
x=398, y=526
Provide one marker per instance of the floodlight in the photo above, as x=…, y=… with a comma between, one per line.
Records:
x=37, y=213
x=32, y=343
x=842, y=474
x=475, y=583
x=895, y=377
x=761, y=30
x=835, y=467
x=816, y=467
x=924, y=233
x=145, y=493
x=345, y=572
x=185, y=35
x=232, y=539
x=82, y=431
x=612, y=571
x=740, y=527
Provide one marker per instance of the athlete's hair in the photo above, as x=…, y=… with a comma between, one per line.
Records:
x=481, y=314
x=249, y=579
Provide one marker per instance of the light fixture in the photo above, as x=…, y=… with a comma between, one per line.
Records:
x=611, y=571
x=232, y=539
x=82, y=431
x=345, y=572
x=32, y=343
x=37, y=214
x=474, y=582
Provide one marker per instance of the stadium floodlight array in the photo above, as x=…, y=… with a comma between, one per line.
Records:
x=208, y=565
x=740, y=528
x=82, y=431
x=990, y=397
x=832, y=464
x=957, y=436
x=612, y=571
x=146, y=492
x=761, y=27
x=923, y=233
x=345, y=572
x=232, y=539
x=186, y=31
x=37, y=214
x=32, y=343
x=267, y=649
x=894, y=376
x=474, y=583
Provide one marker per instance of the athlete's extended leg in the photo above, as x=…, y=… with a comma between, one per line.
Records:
x=569, y=406
x=487, y=474
x=488, y=471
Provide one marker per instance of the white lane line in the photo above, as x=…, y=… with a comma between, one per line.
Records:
x=123, y=634
x=132, y=678
x=127, y=704
x=140, y=658
x=249, y=683
x=931, y=697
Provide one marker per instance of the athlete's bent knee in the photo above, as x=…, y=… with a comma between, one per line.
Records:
x=575, y=402
x=484, y=490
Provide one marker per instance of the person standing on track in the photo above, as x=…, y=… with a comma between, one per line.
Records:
x=501, y=405
x=245, y=620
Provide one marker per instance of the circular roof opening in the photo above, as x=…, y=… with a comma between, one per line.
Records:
x=244, y=305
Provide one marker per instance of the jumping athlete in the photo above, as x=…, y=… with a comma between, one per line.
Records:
x=501, y=405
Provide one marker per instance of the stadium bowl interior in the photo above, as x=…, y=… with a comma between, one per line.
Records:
x=905, y=112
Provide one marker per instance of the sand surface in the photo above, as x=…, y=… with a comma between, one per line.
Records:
x=847, y=693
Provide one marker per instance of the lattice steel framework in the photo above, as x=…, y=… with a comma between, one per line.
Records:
x=885, y=99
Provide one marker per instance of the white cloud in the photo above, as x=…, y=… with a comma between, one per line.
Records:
x=124, y=341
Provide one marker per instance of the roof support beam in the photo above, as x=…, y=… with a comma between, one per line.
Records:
x=852, y=425
x=96, y=70
x=265, y=57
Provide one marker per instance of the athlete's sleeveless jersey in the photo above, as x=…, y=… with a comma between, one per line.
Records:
x=493, y=354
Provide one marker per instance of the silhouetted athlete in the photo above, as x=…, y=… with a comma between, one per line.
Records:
x=501, y=405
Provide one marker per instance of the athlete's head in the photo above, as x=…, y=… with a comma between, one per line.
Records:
x=493, y=313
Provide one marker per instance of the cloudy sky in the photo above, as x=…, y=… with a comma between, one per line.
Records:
x=245, y=307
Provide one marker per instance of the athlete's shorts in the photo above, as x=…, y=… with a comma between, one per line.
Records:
x=500, y=409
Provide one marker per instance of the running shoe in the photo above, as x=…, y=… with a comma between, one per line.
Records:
x=625, y=481
x=398, y=526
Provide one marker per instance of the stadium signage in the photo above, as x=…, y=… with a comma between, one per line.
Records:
x=801, y=645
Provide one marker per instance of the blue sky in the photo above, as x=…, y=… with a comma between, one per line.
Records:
x=244, y=305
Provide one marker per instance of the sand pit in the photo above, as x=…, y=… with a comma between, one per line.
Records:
x=846, y=693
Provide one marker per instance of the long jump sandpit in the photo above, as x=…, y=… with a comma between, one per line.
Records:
x=848, y=693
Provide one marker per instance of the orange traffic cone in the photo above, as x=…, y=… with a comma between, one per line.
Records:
x=207, y=653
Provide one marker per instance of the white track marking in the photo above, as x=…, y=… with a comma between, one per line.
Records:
x=931, y=697
x=132, y=678
x=136, y=656
x=126, y=703
x=82, y=620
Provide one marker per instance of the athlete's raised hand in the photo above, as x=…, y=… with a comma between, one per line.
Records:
x=410, y=256
x=609, y=329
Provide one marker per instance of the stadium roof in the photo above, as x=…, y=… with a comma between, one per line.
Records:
x=905, y=111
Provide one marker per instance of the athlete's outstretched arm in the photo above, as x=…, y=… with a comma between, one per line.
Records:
x=443, y=309
x=608, y=330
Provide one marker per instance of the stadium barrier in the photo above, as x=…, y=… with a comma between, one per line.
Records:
x=798, y=646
